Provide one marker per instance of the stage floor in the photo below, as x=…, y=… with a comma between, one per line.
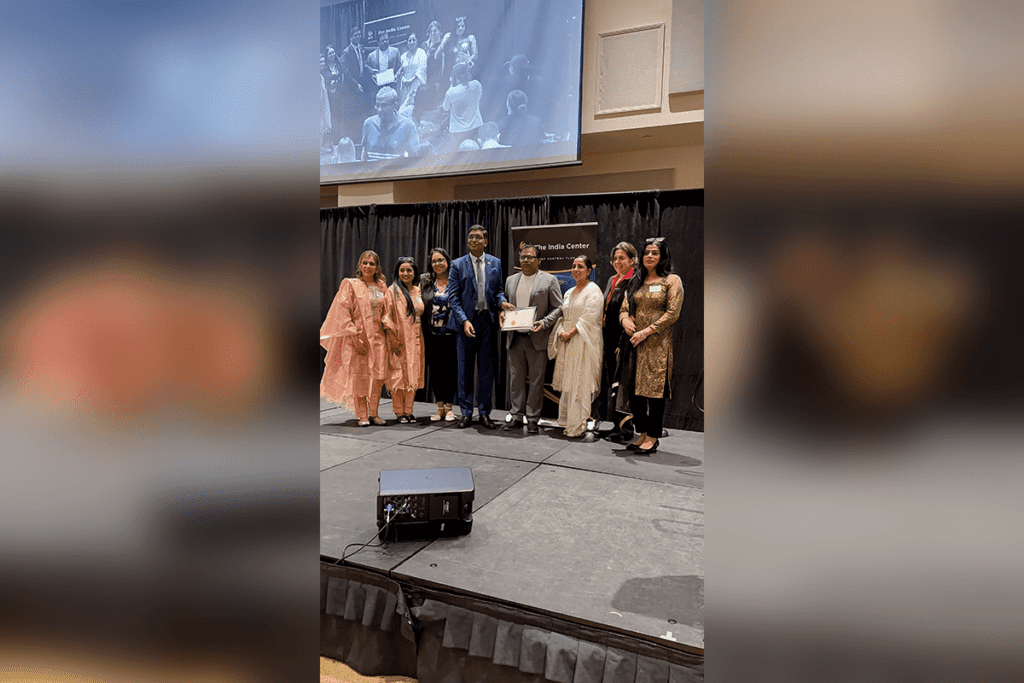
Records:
x=582, y=529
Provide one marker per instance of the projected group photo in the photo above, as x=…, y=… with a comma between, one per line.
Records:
x=414, y=88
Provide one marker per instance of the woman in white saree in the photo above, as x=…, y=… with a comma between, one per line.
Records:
x=576, y=344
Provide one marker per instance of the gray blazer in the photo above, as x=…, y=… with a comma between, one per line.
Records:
x=546, y=295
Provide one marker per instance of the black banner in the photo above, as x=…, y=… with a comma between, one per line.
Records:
x=558, y=245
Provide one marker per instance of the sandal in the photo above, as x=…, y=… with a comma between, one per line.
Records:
x=450, y=417
x=440, y=414
x=402, y=419
x=364, y=423
x=377, y=420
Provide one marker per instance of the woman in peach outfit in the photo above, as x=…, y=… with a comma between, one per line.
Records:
x=407, y=373
x=357, y=334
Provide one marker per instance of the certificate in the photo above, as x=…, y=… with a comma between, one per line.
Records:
x=385, y=77
x=519, y=319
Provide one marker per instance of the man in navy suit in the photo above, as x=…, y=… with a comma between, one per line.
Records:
x=355, y=86
x=476, y=295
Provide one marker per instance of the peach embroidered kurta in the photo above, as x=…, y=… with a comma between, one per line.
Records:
x=358, y=311
x=407, y=371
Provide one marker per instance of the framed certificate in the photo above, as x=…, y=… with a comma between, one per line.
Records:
x=519, y=319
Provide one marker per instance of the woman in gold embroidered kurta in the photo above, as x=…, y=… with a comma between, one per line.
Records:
x=652, y=304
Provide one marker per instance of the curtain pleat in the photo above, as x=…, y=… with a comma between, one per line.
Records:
x=651, y=670
x=681, y=222
x=336, y=20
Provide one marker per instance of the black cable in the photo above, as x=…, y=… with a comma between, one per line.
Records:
x=369, y=543
x=362, y=546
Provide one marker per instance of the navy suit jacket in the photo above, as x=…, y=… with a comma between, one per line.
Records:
x=354, y=76
x=462, y=289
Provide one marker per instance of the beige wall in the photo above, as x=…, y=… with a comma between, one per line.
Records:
x=624, y=152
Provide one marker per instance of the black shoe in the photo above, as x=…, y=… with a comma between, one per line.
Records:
x=615, y=436
x=464, y=422
x=532, y=427
x=487, y=422
x=652, y=449
x=634, y=445
x=512, y=425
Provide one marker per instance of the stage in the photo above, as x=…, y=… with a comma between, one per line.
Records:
x=585, y=562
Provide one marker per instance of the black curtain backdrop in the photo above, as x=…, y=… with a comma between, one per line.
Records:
x=681, y=223
x=336, y=21
x=394, y=230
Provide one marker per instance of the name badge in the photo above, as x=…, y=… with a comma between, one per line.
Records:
x=655, y=289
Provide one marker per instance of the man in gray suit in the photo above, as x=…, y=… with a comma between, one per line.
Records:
x=528, y=351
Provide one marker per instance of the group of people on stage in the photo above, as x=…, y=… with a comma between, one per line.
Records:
x=422, y=101
x=612, y=349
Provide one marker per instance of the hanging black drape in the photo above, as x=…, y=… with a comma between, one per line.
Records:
x=681, y=223
x=336, y=21
x=394, y=230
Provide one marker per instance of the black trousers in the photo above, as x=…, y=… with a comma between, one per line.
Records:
x=443, y=363
x=648, y=415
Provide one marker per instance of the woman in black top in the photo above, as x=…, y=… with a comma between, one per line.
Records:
x=428, y=98
x=609, y=406
x=442, y=361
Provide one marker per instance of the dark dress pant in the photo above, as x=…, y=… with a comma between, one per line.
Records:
x=442, y=360
x=478, y=350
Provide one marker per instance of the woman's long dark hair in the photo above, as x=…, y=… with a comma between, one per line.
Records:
x=397, y=284
x=430, y=277
x=663, y=269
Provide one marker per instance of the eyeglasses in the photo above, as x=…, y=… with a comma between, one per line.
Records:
x=475, y=238
x=438, y=262
x=527, y=258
